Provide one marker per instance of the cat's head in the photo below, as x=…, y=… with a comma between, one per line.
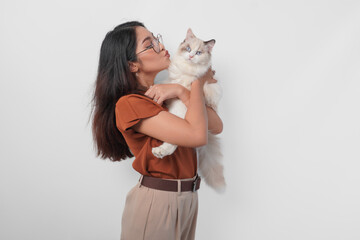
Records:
x=195, y=50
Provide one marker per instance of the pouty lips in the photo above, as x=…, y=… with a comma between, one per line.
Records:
x=167, y=54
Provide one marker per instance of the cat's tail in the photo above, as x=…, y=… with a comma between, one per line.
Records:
x=210, y=160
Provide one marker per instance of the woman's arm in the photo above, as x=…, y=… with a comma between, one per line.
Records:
x=215, y=125
x=189, y=132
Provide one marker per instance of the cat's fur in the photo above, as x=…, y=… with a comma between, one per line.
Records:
x=184, y=71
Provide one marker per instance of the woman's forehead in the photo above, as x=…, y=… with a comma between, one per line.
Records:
x=142, y=33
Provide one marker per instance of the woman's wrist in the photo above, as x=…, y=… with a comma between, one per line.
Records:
x=184, y=95
x=198, y=83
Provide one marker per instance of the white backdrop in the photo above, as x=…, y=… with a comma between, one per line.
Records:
x=290, y=72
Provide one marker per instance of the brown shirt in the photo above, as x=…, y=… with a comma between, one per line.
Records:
x=129, y=110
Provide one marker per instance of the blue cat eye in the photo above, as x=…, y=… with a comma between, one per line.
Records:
x=198, y=52
x=188, y=49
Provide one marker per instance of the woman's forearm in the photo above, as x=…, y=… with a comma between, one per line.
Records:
x=184, y=96
x=215, y=125
x=196, y=111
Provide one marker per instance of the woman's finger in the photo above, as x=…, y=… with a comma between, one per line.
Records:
x=211, y=80
x=147, y=93
x=155, y=97
x=159, y=101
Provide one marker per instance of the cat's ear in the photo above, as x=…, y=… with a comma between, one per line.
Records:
x=189, y=34
x=210, y=44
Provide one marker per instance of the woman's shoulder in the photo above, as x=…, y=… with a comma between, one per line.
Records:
x=138, y=99
x=133, y=107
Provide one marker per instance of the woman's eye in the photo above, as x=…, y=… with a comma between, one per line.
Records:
x=188, y=49
x=198, y=52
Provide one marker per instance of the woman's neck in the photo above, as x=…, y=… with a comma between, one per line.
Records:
x=146, y=80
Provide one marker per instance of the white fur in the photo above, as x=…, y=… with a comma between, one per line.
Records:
x=184, y=71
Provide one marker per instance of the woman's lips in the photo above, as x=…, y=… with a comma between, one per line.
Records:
x=167, y=54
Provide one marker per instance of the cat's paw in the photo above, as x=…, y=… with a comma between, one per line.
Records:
x=163, y=150
x=159, y=152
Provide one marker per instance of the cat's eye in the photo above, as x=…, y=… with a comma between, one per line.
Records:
x=188, y=49
x=198, y=52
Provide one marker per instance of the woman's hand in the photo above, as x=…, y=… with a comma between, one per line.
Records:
x=207, y=77
x=160, y=92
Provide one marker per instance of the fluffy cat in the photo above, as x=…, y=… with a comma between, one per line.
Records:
x=192, y=60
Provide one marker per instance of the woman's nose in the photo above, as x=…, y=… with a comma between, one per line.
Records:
x=162, y=46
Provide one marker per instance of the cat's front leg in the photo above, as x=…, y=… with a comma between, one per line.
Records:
x=164, y=150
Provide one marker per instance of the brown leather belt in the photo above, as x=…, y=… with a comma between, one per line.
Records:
x=171, y=185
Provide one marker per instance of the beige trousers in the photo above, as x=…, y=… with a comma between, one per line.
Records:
x=152, y=214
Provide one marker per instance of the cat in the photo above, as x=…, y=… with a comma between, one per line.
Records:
x=191, y=61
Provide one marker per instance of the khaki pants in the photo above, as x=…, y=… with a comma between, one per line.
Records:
x=152, y=214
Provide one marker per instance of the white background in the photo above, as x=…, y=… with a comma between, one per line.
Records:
x=290, y=72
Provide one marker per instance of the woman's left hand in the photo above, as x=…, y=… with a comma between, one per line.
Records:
x=160, y=92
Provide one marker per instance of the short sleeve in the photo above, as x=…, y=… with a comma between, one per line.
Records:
x=130, y=109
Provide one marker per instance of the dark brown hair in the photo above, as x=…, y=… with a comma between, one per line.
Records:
x=114, y=80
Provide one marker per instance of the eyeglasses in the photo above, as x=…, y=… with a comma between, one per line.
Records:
x=154, y=44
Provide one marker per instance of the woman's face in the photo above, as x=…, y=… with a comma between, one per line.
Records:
x=150, y=62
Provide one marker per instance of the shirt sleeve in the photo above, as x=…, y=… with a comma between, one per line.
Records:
x=130, y=109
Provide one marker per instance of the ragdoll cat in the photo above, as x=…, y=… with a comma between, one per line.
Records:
x=192, y=60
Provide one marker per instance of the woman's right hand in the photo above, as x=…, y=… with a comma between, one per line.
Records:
x=207, y=77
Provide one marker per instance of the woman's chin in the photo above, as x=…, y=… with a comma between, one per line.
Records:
x=168, y=65
x=164, y=68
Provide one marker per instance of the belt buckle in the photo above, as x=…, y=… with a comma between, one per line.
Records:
x=195, y=182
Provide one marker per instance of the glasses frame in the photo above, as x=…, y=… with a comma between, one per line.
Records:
x=154, y=42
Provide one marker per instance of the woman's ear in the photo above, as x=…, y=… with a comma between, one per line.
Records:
x=133, y=67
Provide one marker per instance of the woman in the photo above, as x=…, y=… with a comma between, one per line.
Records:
x=130, y=119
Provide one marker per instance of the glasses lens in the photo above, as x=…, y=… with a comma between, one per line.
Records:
x=160, y=39
x=156, y=45
x=156, y=42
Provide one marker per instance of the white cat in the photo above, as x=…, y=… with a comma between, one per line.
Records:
x=192, y=60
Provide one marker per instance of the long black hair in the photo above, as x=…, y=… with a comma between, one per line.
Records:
x=114, y=80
